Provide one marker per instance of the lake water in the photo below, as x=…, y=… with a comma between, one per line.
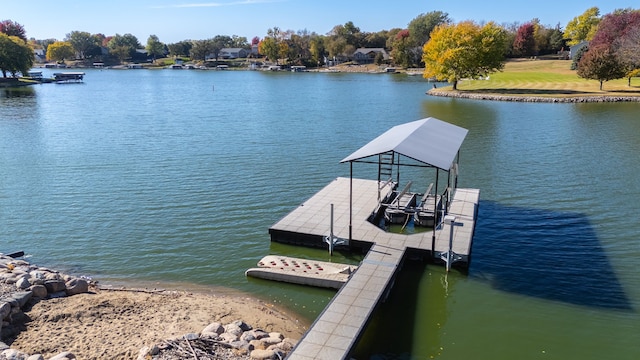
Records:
x=172, y=178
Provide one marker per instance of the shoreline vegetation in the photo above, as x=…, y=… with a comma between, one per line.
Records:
x=522, y=80
x=552, y=81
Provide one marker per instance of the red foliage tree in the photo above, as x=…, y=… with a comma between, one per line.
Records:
x=12, y=28
x=402, y=35
x=618, y=32
x=615, y=26
x=524, y=43
x=601, y=63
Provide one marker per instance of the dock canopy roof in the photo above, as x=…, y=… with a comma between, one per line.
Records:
x=430, y=141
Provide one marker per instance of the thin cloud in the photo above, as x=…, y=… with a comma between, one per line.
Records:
x=217, y=4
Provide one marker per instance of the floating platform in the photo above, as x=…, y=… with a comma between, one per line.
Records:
x=68, y=77
x=338, y=328
x=302, y=271
x=347, y=210
x=309, y=223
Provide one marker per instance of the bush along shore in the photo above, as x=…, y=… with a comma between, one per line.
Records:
x=22, y=285
x=529, y=98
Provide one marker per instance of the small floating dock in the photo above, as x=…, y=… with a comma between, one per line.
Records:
x=348, y=212
x=302, y=271
x=68, y=77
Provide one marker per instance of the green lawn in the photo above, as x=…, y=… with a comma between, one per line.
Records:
x=552, y=78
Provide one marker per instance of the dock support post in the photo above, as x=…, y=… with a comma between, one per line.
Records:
x=435, y=219
x=350, y=200
x=333, y=240
x=331, y=233
x=451, y=220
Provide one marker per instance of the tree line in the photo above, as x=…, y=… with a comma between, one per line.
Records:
x=447, y=50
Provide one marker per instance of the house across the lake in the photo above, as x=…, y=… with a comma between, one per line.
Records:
x=573, y=50
x=368, y=55
x=233, y=53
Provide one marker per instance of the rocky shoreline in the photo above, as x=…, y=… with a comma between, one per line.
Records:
x=534, y=99
x=24, y=286
x=21, y=284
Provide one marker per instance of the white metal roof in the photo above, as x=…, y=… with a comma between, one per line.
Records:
x=431, y=141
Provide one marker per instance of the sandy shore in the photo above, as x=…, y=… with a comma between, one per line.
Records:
x=116, y=324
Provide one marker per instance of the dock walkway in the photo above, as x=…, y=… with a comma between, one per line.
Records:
x=335, y=332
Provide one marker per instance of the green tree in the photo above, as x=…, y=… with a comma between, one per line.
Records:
x=420, y=29
x=316, y=48
x=182, y=48
x=582, y=27
x=349, y=32
x=336, y=46
x=239, y=42
x=154, y=47
x=401, y=49
x=601, y=63
x=421, y=26
x=541, y=37
x=121, y=52
x=218, y=43
x=633, y=73
x=200, y=49
x=343, y=40
x=123, y=46
x=300, y=46
x=82, y=42
x=556, y=39
x=375, y=40
x=283, y=50
x=15, y=55
x=269, y=48
x=464, y=50
x=60, y=50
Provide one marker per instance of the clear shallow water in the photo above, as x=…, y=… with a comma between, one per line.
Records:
x=175, y=176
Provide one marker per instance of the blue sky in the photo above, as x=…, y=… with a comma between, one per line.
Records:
x=176, y=20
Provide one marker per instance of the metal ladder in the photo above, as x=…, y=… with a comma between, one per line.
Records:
x=385, y=166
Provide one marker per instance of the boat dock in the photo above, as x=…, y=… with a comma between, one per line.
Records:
x=347, y=213
x=68, y=77
x=337, y=329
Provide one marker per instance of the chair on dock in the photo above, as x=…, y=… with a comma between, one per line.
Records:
x=427, y=212
x=398, y=210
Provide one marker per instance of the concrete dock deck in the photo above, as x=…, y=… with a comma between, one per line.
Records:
x=338, y=328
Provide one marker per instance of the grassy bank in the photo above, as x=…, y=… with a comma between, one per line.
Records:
x=545, y=78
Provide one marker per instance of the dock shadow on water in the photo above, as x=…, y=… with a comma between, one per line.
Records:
x=545, y=254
